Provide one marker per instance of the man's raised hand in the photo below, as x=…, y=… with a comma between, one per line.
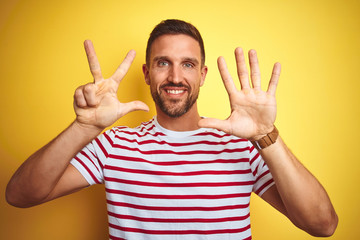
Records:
x=96, y=104
x=253, y=111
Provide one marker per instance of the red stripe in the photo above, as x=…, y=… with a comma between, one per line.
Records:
x=179, y=220
x=177, y=209
x=164, y=173
x=180, y=232
x=173, y=163
x=254, y=158
x=151, y=152
x=118, y=128
x=262, y=175
x=200, y=184
x=142, y=135
x=144, y=128
x=115, y=238
x=214, y=134
x=264, y=186
x=148, y=122
x=87, y=156
x=252, y=148
x=178, y=144
x=88, y=170
x=102, y=147
x=158, y=196
x=94, y=156
x=256, y=170
x=108, y=138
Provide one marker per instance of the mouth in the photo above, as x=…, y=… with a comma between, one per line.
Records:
x=175, y=91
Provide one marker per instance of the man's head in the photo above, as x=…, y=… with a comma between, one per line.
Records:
x=175, y=67
x=173, y=27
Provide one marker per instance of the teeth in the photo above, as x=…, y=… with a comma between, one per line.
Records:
x=175, y=91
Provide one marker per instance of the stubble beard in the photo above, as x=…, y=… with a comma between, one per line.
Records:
x=174, y=108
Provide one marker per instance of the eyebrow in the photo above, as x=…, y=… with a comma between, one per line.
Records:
x=189, y=59
x=160, y=58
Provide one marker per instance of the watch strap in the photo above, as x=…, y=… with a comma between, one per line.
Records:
x=267, y=140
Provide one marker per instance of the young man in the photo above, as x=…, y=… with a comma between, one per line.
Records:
x=178, y=176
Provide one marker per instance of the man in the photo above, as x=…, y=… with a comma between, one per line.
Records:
x=178, y=176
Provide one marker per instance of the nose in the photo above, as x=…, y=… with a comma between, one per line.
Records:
x=174, y=74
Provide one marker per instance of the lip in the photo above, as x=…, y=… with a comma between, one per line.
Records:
x=174, y=91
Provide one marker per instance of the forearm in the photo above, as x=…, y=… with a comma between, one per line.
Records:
x=306, y=201
x=39, y=174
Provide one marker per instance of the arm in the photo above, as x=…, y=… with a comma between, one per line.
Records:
x=306, y=202
x=37, y=180
x=47, y=174
x=297, y=192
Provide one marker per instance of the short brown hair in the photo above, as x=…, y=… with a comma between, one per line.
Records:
x=175, y=26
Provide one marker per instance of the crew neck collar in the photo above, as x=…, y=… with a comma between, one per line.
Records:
x=176, y=134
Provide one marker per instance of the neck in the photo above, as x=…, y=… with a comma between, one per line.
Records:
x=187, y=122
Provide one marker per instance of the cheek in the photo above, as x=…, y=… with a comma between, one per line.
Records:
x=154, y=85
x=196, y=79
x=158, y=76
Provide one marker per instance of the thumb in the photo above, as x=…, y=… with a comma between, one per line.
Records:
x=222, y=125
x=132, y=106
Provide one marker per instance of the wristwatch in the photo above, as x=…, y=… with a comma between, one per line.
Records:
x=267, y=140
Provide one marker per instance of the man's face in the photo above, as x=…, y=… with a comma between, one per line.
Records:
x=175, y=73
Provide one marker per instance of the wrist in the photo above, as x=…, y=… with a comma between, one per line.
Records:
x=90, y=130
x=263, y=141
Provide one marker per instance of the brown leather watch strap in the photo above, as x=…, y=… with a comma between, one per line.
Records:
x=267, y=140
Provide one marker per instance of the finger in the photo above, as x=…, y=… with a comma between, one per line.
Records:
x=255, y=70
x=79, y=98
x=242, y=69
x=124, y=66
x=225, y=76
x=90, y=95
x=221, y=125
x=133, y=106
x=93, y=61
x=274, y=79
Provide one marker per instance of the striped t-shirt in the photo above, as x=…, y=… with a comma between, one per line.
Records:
x=162, y=184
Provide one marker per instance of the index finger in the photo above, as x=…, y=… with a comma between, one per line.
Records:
x=123, y=68
x=93, y=61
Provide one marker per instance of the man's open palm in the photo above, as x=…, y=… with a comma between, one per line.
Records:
x=253, y=111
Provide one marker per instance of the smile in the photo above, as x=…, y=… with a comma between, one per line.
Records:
x=171, y=91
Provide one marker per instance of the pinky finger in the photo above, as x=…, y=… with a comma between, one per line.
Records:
x=274, y=79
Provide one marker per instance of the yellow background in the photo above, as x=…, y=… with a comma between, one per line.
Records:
x=43, y=61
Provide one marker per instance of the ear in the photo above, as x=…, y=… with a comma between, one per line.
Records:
x=204, y=71
x=146, y=74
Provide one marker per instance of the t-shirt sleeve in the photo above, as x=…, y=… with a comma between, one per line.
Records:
x=90, y=161
x=261, y=172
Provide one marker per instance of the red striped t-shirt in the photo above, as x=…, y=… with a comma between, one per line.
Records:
x=162, y=184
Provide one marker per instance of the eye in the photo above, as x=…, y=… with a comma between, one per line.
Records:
x=188, y=65
x=163, y=63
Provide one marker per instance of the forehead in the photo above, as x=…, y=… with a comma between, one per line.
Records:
x=175, y=46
